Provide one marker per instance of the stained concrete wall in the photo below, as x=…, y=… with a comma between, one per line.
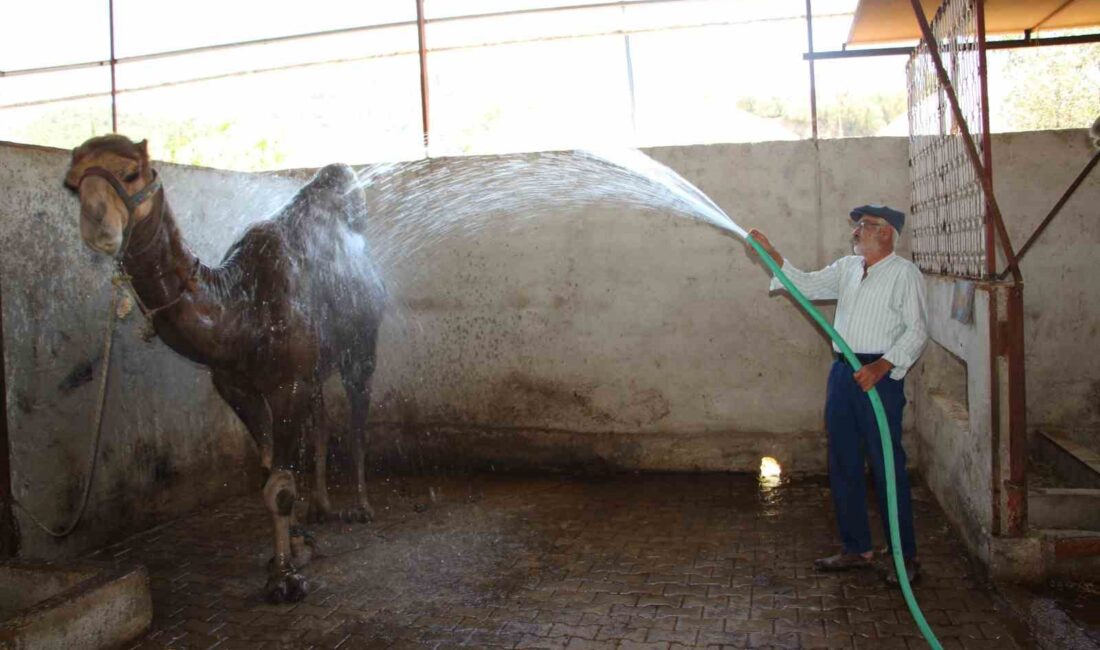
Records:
x=1061, y=294
x=589, y=338
x=168, y=443
x=1061, y=331
x=952, y=413
x=626, y=338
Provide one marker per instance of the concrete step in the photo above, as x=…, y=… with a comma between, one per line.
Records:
x=1064, y=508
x=72, y=605
x=1076, y=465
x=1073, y=554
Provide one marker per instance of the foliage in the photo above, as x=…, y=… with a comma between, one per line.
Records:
x=225, y=145
x=845, y=115
x=1051, y=87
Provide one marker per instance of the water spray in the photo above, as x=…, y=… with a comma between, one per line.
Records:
x=689, y=198
x=441, y=197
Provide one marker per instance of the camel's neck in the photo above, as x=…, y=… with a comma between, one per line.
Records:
x=173, y=285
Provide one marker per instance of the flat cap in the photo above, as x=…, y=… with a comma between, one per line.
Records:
x=892, y=216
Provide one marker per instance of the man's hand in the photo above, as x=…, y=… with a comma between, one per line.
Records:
x=766, y=245
x=872, y=373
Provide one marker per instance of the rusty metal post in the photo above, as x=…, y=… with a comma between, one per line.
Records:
x=423, y=48
x=114, y=63
x=9, y=535
x=987, y=148
x=996, y=335
x=968, y=139
x=1009, y=328
x=1008, y=410
x=1008, y=416
x=813, y=78
x=1015, y=524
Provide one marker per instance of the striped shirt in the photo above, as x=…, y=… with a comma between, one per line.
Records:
x=883, y=313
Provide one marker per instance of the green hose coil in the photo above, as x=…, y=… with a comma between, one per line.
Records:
x=887, y=444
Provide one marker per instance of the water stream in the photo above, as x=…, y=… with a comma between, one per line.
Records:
x=415, y=205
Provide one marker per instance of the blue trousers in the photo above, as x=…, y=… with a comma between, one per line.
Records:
x=853, y=437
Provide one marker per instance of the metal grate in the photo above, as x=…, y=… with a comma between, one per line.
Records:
x=948, y=209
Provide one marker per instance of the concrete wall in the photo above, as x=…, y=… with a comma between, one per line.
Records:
x=1061, y=294
x=587, y=338
x=1061, y=314
x=628, y=338
x=610, y=337
x=953, y=416
x=168, y=443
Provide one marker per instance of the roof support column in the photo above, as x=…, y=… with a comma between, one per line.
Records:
x=423, y=49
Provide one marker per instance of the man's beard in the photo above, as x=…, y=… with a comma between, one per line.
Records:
x=864, y=248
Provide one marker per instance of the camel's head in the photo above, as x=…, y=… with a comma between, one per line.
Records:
x=117, y=188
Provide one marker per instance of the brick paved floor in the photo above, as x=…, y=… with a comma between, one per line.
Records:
x=659, y=562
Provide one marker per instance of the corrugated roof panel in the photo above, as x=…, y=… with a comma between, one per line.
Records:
x=883, y=21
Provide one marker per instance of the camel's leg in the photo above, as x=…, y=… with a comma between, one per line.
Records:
x=320, y=508
x=252, y=409
x=284, y=583
x=357, y=384
x=359, y=448
x=290, y=411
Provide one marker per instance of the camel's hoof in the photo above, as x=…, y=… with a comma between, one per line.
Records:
x=302, y=547
x=300, y=555
x=318, y=515
x=286, y=587
x=304, y=533
x=357, y=515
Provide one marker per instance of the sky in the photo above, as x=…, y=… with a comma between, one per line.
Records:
x=678, y=78
x=57, y=32
x=686, y=83
x=54, y=32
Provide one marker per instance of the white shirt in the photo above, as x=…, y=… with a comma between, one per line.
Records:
x=883, y=313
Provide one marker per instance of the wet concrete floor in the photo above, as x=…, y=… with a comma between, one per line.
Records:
x=659, y=562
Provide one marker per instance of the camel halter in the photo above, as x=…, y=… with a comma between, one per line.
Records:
x=132, y=201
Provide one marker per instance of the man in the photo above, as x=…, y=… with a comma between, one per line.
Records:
x=881, y=314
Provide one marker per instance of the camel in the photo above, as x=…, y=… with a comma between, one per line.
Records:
x=294, y=300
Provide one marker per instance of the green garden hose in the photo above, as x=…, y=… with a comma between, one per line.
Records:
x=887, y=444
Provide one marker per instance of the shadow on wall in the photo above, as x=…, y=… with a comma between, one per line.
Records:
x=945, y=376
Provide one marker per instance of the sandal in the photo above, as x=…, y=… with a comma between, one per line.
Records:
x=842, y=562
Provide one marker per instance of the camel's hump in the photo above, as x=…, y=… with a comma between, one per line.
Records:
x=334, y=191
x=337, y=176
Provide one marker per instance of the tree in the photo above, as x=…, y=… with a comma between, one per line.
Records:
x=188, y=142
x=844, y=115
x=1050, y=87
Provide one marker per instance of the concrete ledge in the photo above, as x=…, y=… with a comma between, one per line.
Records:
x=1065, y=508
x=1078, y=465
x=1072, y=554
x=395, y=446
x=949, y=451
x=1022, y=560
x=1045, y=554
x=75, y=605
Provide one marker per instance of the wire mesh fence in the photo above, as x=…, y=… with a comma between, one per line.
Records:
x=948, y=210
